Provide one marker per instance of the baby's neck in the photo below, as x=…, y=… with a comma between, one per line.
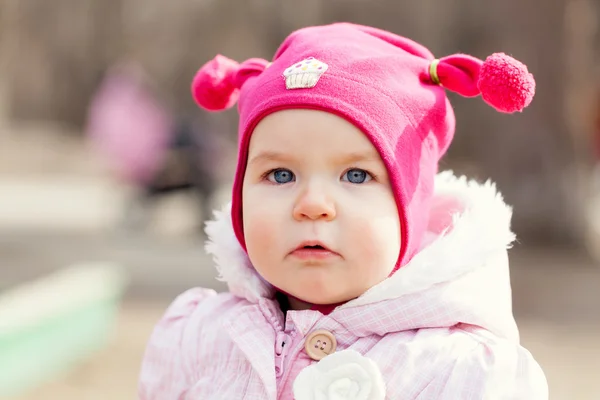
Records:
x=296, y=304
x=288, y=303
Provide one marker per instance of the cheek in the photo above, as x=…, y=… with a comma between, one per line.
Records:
x=261, y=230
x=377, y=245
x=260, y=238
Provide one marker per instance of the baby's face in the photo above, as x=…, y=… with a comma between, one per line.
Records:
x=320, y=220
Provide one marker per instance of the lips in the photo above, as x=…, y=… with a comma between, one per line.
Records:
x=312, y=244
x=313, y=250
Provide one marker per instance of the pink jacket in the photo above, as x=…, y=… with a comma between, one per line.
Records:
x=439, y=328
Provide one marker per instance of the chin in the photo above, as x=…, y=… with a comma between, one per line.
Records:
x=319, y=286
x=324, y=298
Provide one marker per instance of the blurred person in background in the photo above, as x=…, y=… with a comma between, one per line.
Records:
x=191, y=165
x=149, y=147
x=355, y=270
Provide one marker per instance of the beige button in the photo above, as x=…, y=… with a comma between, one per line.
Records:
x=319, y=344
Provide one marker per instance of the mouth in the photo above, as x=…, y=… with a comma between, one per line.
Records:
x=313, y=250
x=313, y=244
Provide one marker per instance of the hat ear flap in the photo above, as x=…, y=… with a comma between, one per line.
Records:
x=217, y=83
x=503, y=82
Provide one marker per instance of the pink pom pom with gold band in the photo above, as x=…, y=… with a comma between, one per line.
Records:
x=503, y=82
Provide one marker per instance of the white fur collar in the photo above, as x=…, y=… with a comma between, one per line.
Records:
x=477, y=231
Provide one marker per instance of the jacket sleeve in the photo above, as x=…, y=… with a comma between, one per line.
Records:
x=164, y=374
x=498, y=371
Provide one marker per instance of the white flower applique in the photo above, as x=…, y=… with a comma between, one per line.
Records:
x=345, y=375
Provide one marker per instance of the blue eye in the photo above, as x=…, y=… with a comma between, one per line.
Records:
x=356, y=175
x=281, y=176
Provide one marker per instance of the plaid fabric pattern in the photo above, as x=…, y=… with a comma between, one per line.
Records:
x=440, y=328
x=210, y=346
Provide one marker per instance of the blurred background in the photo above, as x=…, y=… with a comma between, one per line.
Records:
x=108, y=170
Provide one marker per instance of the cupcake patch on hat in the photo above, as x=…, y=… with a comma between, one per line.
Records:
x=304, y=74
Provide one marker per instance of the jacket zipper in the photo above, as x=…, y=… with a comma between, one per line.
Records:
x=282, y=345
x=286, y=350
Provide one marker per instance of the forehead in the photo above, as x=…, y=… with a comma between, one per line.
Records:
x=301, y=129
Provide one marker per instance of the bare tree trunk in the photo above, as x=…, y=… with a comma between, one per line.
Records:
x=55, y=52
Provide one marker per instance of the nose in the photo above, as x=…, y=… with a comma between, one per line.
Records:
x=313, y=203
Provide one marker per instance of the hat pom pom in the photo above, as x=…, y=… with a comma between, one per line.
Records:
x=213, y=86
x=505, y=83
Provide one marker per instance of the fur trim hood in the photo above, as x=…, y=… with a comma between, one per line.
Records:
x=462, y=264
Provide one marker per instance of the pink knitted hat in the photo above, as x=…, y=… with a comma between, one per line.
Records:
x=390, y=87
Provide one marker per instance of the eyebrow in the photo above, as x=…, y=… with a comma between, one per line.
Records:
x=357, y=157
x=348, y=158
x=269, y=156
